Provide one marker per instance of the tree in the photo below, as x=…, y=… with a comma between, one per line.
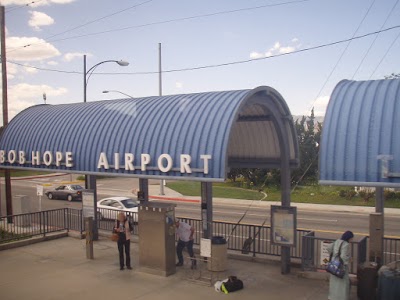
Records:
x=393, y=76
x=309, y=136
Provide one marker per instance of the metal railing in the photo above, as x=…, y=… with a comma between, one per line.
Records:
x=23, y=226
x=315, y=256
x=391, y=250
x=246, y=238
x=255, y=237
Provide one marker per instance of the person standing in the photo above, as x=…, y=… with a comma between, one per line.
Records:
x=185, y=233
x=339, y=288
x=124, y=240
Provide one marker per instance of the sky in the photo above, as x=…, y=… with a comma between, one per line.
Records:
x=301, y=48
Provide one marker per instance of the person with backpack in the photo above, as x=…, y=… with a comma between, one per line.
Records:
x=122, y=227
x=339, y=288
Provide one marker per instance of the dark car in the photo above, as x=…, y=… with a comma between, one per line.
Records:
x=67, y=192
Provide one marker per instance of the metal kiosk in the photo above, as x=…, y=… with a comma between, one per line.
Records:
x=157, y=238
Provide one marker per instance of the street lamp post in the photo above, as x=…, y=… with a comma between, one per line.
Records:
x=115, y=91
x=90, y=180
x=89, y=72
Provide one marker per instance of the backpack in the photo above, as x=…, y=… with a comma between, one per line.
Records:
x=233, y=284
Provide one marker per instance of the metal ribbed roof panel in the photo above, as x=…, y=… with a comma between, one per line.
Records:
x=359, y=134
x=192, y=124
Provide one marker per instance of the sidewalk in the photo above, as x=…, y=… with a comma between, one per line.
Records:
x=59, y=270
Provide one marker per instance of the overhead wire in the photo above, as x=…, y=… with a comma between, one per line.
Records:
x=373, y=42
x=341, y=56
x=384, y=56
x=229, y=63
x=324, y=84
x=80, y=26
x=162, y=22
x=15, y=7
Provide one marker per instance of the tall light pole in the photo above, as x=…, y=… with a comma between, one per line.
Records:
x=88, y=73
x=115, y=91
x=90, y=180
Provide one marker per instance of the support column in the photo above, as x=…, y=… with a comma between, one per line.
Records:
x=206, y=209
x=143, y=194
x=91, y=184
x=376, y=228
x=285, y=200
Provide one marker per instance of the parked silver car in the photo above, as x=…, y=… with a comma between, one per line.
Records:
x=67, y=192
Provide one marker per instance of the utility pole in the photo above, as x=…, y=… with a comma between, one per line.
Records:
x=7, y=176
x=162, y=181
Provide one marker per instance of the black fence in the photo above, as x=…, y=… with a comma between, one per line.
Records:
x=247, y=238
x=315, y=256
x=28, y=225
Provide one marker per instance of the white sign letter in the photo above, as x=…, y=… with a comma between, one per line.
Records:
x=103, y=162
x=2, y=156
x=68, y=160
x=59, y=157
x=185, y=163
x=47, y=158
x=116, y=161
x=129, y=161
x=205, y=157
x=169, y=163
x=35, y=158
x=12, y=156
x=22, y=159
x=145, y=161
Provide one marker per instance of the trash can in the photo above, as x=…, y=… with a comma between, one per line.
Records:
x=367, y=277
x=389, y=282
x=219, y=254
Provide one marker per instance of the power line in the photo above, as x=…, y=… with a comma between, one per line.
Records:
x=373, y=42
x=384, y=56
x=83, y=25
x=15, y=7
x=341, y=56
x=163, y=22
x=228, y=63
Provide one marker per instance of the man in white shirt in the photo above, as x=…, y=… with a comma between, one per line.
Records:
x=185, y=232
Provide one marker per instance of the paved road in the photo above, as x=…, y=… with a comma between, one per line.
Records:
x=322, y=221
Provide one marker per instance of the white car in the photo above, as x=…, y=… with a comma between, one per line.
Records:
x=108, y=208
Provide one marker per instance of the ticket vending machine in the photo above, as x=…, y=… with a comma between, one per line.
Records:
x=157, y=253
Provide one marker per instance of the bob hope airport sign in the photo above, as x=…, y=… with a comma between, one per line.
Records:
x=127, y=161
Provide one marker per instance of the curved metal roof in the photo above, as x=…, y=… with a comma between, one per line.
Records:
x=247, y=128
x=359, y=143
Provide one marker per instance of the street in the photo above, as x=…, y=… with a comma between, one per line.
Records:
x=329, y=223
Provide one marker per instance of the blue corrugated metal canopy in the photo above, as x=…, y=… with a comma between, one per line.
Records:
x=194, y=136
x=360, y=144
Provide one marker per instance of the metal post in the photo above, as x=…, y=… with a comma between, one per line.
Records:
x=7, y=175
x=162, y=181
x=92, y=185
x=89, y=237
x=379, y=200
x=144, y=188
x=206, y=209
x=84, y=78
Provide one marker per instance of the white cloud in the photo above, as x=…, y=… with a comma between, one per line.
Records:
x=33, y=3
x=52, y=63
x=255, y=55
x=38, y=49
x=277, y=48
x=320, y=105
x=179, y=85
x=73, y=55
x=23, y=95
x=31, y=70
x=39, y=19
